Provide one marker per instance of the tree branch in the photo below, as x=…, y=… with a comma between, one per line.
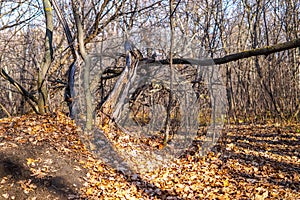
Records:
x=21, y=89
x=234, y=57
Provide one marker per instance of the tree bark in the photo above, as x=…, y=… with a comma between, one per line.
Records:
x=86, y=69
x=48, y=56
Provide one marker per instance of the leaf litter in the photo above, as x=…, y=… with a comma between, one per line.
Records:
x=42, y=157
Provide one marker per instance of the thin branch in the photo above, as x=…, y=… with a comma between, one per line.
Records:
x=19, y=87
x=20, y=22
x=97, y=29
x=28, y=96
x=65, y=26
x=5, y=110
x=140, y=10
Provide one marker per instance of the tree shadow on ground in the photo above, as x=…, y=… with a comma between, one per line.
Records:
x=54, y=180
x=275, y=150
x=12, y=168
x=282, y=167
x=276, y=143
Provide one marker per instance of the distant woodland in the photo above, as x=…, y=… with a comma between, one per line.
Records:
x=255, y=43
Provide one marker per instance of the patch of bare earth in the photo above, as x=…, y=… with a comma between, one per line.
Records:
x=37, y=160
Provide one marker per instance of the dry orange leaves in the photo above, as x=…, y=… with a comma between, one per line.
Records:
x=250, y=162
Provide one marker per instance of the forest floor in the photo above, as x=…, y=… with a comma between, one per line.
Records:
x=42, y=157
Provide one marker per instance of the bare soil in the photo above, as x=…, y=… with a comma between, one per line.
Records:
x=52, y=176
